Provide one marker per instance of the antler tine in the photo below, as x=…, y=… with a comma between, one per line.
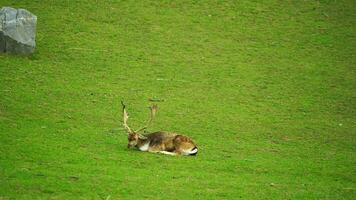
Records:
x=126, y=116
x=153, y=110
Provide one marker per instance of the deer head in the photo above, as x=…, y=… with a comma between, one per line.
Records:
x=134, y=137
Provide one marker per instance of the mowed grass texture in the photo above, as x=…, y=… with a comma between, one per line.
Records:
x=265, y=88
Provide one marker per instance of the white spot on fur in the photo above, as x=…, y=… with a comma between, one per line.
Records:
x=144, y=147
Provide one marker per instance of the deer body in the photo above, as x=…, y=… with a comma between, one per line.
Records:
x=159, y=142
x=167, y=143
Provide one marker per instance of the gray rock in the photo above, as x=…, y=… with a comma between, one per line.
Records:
x=17, y=31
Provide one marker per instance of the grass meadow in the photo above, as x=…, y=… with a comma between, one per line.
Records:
x=266, y=89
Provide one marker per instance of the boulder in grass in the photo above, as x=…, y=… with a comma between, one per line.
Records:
x=17, y=31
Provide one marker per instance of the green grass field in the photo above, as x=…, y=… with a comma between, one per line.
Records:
x=266, y=89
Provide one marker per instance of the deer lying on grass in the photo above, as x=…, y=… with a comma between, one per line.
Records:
x=158, y=142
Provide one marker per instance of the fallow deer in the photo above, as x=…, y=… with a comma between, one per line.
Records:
x=158, y=142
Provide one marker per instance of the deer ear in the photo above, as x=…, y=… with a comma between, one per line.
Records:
x=142, y=136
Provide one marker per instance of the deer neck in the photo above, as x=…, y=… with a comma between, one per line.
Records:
x=143, y=144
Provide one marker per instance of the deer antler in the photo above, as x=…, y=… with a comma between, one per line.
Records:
x=153, y=110
x=126, y=116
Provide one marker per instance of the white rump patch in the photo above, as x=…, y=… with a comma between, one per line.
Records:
x=193, y=151
x=144, y=147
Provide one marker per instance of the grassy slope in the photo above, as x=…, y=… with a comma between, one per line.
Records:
x=266, y=90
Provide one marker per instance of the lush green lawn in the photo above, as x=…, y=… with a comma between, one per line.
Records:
x=266, y=89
